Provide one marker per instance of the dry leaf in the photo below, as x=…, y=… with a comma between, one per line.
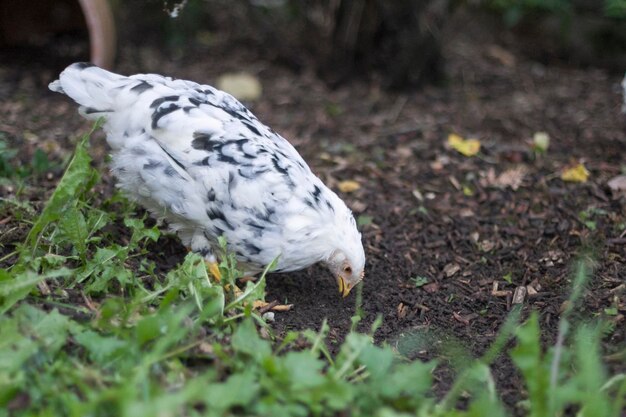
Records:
x=617, y=185
x=431, y=288
x=502, y=55
x=467, y=147
x=511, y=178
x=460, y=318
x=451, y=269
x=402, y=310
x=348, y=186
x=576, y=173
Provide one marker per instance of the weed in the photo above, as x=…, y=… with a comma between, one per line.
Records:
x=419, y=281
x=184, y=345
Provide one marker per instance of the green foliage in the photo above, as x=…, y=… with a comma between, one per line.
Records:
x=6, y=155
x=38, y=165
x=419, y=281
x=514, y=10
x=179, y=344
x=615, y=8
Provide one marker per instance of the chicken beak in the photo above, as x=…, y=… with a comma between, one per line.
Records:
x=344, y=289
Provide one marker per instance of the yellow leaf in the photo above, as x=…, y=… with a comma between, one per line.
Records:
x=467, y=147
x=348, y=186
x=577, y=173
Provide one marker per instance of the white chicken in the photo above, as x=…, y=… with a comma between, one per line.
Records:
x=197, y=157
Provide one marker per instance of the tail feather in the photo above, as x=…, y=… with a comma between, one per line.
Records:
x=90, y=86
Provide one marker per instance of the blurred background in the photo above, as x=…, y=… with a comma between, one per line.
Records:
x=400, y=44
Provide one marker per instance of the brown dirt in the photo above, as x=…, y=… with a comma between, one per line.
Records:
x=435, y=213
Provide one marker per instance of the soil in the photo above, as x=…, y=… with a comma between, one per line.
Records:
x=448, y=242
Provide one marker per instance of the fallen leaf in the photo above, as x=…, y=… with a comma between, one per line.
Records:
x=512, y=178
x=364, y=220
x=431, y=288
x=451, y=269
x=358, y=206
x=501, y=55
x=467, y=147
x=541, y=142
x=418, y=195
x=348, y=186
x=282, y=307
x=460, y=318
x=617, y=185
x=402, y=310
x=242, y=85
x=576, y=173
x=466, y=212
x=467, y=191
x=440, y=162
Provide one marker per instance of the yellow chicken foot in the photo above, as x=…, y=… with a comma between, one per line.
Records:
x=262, y=306
x=214, y=269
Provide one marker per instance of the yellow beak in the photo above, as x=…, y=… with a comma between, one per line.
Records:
x=344, y=289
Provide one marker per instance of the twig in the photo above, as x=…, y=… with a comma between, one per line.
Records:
x=397, y=108
x=616, y=241
x=268, y=307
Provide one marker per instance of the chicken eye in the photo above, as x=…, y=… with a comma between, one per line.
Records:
x=347, y=270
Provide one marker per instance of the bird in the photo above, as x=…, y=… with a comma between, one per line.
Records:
x=195, y=156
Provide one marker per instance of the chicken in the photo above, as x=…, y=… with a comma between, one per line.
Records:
x=195, y=156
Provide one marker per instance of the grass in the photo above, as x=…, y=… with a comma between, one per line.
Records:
x=89, y=329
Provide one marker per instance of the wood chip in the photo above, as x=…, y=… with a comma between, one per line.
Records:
x=88, y=301
x=402, y=310
x=499, y=293
x=451, y=269
x=43, y=288
x=519, y=295
x=460, y=318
